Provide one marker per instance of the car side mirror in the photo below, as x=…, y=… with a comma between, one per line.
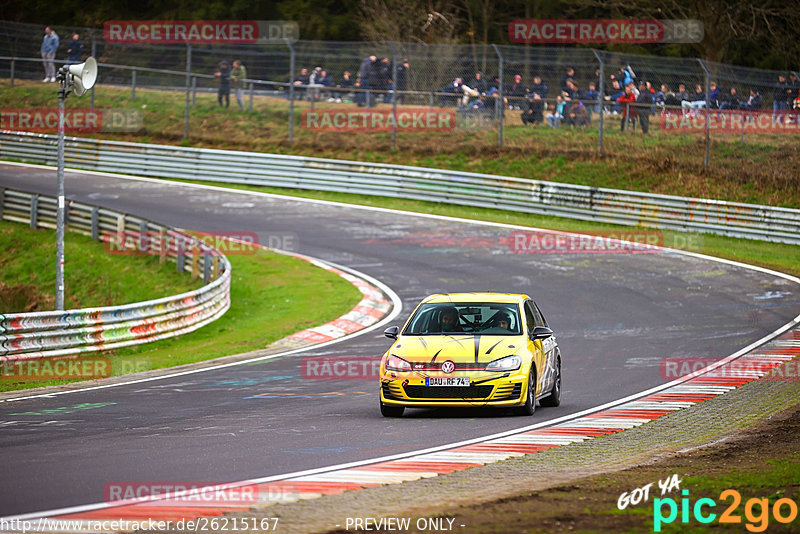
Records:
x=392, y=332
x=541, y=332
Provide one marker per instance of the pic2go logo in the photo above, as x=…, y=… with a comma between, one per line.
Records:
x=756, y=511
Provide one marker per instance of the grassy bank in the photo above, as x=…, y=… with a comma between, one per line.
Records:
x=761, y=170
x=272, y=296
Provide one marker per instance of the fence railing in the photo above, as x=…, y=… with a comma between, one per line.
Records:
x=58, y=333
x=469, y=189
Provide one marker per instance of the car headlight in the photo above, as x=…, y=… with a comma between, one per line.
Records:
x=509, y=363
x=394, y=363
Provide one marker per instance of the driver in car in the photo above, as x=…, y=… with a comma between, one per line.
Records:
x=503, y=321
x=449, y=320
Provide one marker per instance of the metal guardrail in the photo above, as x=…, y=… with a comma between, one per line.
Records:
x=58, y=333
x=470, y=189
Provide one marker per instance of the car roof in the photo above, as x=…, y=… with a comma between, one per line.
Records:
x=477, y=297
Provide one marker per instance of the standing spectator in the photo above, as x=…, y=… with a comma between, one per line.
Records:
x=364, y=73
x=49, y=47
x=74, y=50
x=780, y=94
x=224, y=75
x=592, y=96
x=385, y=81
x=645, y=97
x=238, y=75
x=628, y=112
x=401, y=84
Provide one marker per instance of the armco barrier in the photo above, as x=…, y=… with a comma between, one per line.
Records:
x=469, y=189
x=58, y=333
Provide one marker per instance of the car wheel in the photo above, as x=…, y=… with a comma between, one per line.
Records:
x=392, y=410
x=554, y=399
x=530, y=401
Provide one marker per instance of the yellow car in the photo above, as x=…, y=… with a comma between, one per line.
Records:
x=471, y=349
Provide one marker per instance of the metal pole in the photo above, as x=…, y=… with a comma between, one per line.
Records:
x=600, y=99
x=12, y=74
x=194, y=90
x=250, y=106
x=94, y=54
x=188, y=90
x=291, y=91
x=133, y=85
x=708, y=105
x=60, y=213
x=500, y=105
x=394, y=94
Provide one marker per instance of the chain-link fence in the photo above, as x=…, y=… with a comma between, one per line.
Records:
x=486, y=88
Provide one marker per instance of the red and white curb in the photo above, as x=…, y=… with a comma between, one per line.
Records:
x=714, y=380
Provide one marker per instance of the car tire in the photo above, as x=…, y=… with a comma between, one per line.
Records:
x=392, y=410
x=529, y=408
x=554, y=399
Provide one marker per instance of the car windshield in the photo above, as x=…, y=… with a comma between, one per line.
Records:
x=465, y=318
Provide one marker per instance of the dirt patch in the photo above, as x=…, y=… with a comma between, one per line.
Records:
x=23, y=298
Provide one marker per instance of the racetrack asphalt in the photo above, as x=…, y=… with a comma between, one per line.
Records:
x=616, y=317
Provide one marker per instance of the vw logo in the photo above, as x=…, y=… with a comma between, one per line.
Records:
x=448, y=367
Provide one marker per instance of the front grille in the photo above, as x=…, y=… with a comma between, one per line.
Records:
x=391, y=391
x=508, y=391
x=449, y=392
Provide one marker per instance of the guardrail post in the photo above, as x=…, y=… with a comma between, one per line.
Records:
x=34, y=210
x=206, y=268
x=188, y=87
x=601, y=98
x=195, y=261
x=95, y=223
x=133, y=84
x=121, y=223
x=162, y=245
x=500, y=102
x=250, y=105
x=180, y=260
x=11, y=80
x=144, y=243
x=215, y=268
x=708, y=105
x=291, y=90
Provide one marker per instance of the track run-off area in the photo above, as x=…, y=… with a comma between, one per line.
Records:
x=617, y=317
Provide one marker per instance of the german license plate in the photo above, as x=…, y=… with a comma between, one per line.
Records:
x=446, y=381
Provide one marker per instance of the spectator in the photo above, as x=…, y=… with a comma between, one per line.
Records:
x=780, y=94
x=375, y=80
x=402, y=80
x=346, y=84
x=555, y=117
x=616, y=92
x=300, y=82
x=48, y=49
x=592, y=96
x=696, y=101
x=365, y=73
x=577, y=114
x=572, y=89
x=516, y=91
x=238, y=75
x=628, y=112
x=660, y=98
x=475, y=88
x=731, y=100
x=794, y=87
x=74, y=50
x=385, y=81
x=626, y=76
x=224, y=75
x=568, y=75
x=453, y=89
x=713, y=95
x=754, y=102
x=325, y=81
x=680, y=96
x=539, y=87
x=534, y=107
x=645, y=97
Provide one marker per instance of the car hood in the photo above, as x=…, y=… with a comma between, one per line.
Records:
x=460, y=349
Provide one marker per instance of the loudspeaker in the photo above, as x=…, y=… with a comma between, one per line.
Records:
x=82, y=76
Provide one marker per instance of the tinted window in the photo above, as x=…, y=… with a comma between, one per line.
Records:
x=470, y=318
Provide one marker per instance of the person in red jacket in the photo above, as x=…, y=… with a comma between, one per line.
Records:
x=628, y=111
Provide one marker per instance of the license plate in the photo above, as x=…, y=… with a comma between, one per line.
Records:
x=447, y=381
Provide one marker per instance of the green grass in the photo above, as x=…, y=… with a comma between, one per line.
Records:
x=778, y=256
x=272, y=296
